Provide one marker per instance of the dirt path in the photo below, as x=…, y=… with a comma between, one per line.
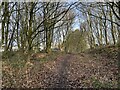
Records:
x=62, y=72
x=72, y=71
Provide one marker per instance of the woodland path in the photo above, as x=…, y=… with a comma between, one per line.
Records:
x=82, y=70
x=75, y=70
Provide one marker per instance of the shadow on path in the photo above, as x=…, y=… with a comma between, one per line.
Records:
x=62, y=81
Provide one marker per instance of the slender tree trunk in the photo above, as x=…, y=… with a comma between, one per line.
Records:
x=101, y=33
x=30, y=27
x=105, y=25
x=4, y=21
x=18, y=16
x=112, y=31
x=3, y=31
x=7, y=27
x=92, y=39
x=48, y=30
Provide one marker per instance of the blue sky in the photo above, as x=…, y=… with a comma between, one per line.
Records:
x=77, y=23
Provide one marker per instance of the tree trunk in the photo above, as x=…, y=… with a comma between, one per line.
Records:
x=112, y=31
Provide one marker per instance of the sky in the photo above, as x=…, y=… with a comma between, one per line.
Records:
x=77, y=23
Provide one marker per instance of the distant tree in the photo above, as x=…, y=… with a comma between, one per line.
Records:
x=76, y=42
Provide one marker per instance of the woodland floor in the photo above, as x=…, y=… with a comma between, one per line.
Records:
x=93, y=69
